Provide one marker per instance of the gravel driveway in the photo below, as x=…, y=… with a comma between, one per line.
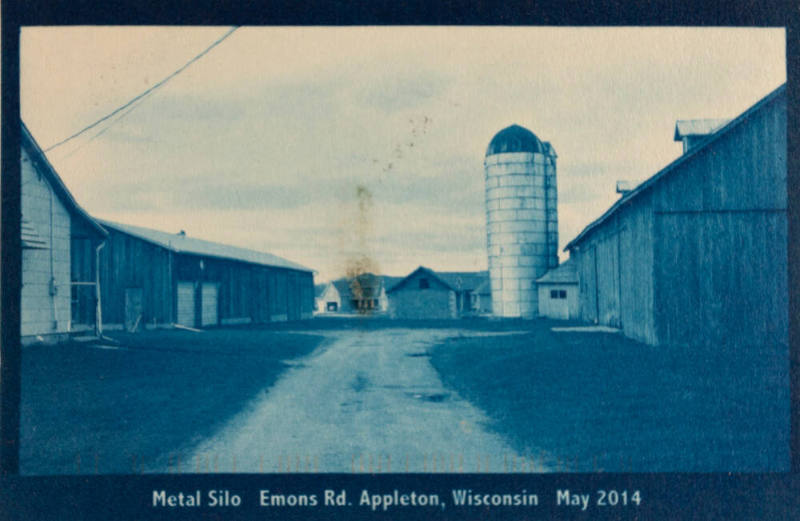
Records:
x=365, y=401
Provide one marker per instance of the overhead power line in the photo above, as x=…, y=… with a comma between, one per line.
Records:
x=145, y=93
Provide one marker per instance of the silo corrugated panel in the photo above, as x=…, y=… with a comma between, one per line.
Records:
x=521, y=219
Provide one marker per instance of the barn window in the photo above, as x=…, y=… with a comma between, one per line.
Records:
x=562, y=293
x=424, y=284
x=553, y=293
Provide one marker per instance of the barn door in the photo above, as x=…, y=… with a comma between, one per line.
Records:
x=133, y=308
x=186, y=304
x=209, y=299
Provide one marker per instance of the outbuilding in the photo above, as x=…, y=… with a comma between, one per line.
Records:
x=152, y=278
x=698, y=252
x=59, y=251
x=364, y=294
x=327, y=298
x=427, y=294
x=558, y=292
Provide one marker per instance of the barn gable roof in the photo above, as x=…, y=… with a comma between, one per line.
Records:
x=43, y=165
x=463, y=280
x=672, y=167
x=368, y=285
x=564, y=273
x=453, y=280
x=180, y=243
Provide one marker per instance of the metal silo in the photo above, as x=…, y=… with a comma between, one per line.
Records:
x=521, y=219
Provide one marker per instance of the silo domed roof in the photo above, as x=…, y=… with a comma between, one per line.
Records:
x=514, y=139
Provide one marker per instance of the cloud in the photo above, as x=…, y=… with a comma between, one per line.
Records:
x=264, y=141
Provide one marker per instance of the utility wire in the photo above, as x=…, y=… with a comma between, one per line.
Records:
x=107, y=127
x=145, y=93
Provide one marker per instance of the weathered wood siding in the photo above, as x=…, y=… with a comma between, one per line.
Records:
x=247, y=293
x=127, y=263
x=44, y=311
x=82, y=268
x=251, y=293
x=721, y=238
x=412, y=302
x=701, y=256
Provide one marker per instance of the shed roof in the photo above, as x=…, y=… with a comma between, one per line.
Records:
x=698, y=127
x=564, y=273
x=43, y=165
x=670, y=168
x=179, y=243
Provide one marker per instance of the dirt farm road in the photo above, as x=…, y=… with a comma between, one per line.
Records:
x=365, y=401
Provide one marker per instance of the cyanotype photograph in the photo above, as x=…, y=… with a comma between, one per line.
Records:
x=408, y=249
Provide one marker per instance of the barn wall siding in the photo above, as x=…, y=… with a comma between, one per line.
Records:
x=430, y=303
x=636, y=271
x=128, y=263
x=42, y=312
x=701, y=256
x=408, y=300
x=731, y=241
x=718, y=278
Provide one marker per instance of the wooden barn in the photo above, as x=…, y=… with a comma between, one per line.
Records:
x=59, y=251
x=152, y=278
x=425, y=293
x=698, y=252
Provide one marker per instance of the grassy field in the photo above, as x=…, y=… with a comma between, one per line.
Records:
x=600, y=402
x=87, y=409
x=582, y=401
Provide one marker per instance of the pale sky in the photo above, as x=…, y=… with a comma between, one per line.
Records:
x=265, y=142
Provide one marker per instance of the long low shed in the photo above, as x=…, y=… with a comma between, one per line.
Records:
x=152, y=278
x=698, y=252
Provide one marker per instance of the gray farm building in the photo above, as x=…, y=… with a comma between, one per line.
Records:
x=151, y=278
x=521, y=218
x=698, y=252
x=428, y=294
x=558, y=292
x=59, y=250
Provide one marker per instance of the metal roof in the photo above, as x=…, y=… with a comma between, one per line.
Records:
x=180, y=243
x=367, y=285
x=46, y=169
x=463, y=280
x=630, y=196
x=564, y=273
x=455, y=280
x=514, y=139
x=698, y=127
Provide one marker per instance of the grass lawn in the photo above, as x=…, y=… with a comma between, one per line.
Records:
x=600, y=402
x=86, y=409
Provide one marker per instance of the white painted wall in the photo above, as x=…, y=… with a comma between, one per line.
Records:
x=331, y=294
x=43, y=313
x=562, y=309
